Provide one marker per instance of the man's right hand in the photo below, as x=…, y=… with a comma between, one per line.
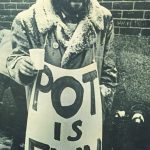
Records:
x=26, y=66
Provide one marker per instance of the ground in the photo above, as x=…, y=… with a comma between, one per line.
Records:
x=5, y=141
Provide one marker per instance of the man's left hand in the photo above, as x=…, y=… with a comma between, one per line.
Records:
x=105, y=90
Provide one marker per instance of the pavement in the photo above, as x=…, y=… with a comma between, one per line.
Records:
x=5, y=142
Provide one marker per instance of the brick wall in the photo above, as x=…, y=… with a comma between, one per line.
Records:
x=10, y=8
x=130, y=17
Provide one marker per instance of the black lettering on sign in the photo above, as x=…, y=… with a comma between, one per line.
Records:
x=89, y=77
x=35, y=144
x=53, y=149
x=77, y=130
x=57, y=89
x=86, y=147
x=79, y=148
x=99, y=144
x=43, y=88
x=57, y=131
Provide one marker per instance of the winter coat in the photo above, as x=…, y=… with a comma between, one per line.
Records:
x=30, y=28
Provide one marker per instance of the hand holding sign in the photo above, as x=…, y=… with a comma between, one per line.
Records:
x=105, y=90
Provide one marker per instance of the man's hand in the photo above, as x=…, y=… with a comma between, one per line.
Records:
x=26, y=66
x=105, y=90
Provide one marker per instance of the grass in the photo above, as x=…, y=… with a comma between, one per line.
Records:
x=133, y=91
x=133, y=63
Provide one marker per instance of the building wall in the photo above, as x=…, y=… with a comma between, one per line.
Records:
x=10, y=8
x=131, y=17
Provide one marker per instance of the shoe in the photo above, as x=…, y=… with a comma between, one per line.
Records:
x=138, y=118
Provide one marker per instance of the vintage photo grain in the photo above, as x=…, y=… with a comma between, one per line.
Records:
x=75, y=74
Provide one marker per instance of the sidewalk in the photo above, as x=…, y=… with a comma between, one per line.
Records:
x=5, y=142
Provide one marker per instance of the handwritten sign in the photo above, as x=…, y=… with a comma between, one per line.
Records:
x=65, y=110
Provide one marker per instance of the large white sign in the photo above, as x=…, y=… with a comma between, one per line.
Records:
x=65, y=110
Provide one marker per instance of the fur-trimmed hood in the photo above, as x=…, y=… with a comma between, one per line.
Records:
x=46, y=17
x=77, y=53
x=81, y=39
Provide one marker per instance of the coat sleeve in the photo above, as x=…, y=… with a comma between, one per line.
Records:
x=109, y=71
x=20, y=47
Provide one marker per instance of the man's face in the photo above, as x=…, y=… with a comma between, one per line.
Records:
x=74, y=6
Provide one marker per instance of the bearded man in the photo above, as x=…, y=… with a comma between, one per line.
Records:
x=75, y=32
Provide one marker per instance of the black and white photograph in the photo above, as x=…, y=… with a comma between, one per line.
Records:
x=75, y=75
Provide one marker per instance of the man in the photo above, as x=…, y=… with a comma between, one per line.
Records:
x=74, y=32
